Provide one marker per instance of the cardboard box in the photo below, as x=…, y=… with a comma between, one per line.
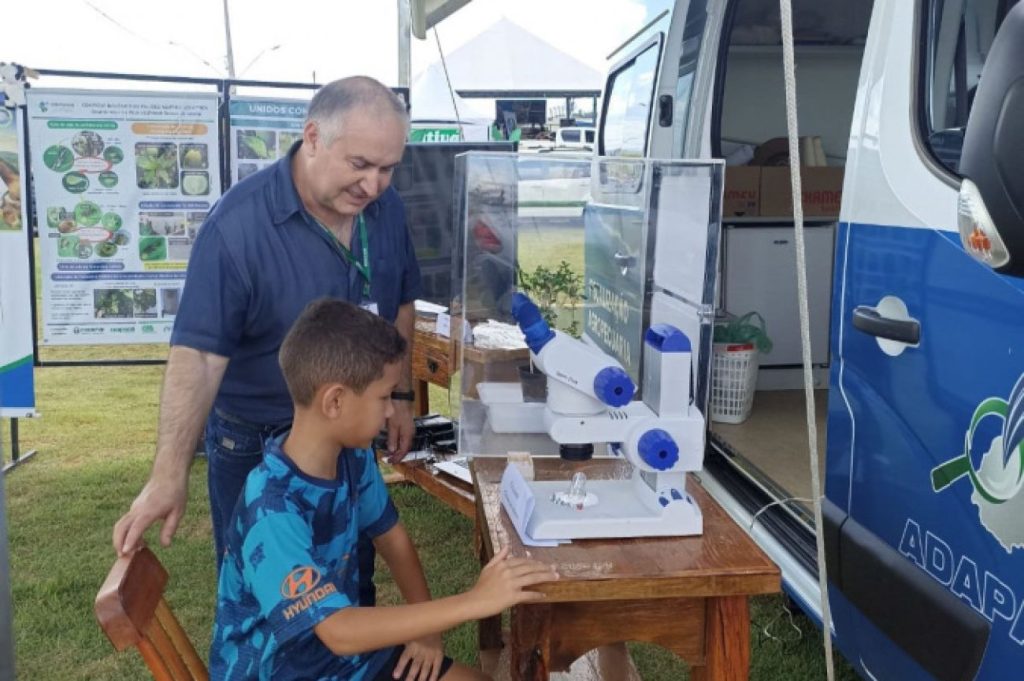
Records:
x=822, y=191
x=742, y=191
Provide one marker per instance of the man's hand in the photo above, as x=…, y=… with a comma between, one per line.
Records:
x=191, y=380
x=401, y=429
x=422, y=657
x=158, y=500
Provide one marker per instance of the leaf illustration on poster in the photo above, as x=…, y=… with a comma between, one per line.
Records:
x=125, y=181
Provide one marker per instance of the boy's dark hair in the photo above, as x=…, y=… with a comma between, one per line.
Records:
x=336, y=342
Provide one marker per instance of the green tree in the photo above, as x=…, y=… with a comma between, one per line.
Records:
x=556, y=292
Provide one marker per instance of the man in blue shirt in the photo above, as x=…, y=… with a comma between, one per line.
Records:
x=322, y=221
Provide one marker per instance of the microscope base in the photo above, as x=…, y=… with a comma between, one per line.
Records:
x=620, y=512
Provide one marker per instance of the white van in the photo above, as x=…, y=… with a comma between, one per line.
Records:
x=916, y=303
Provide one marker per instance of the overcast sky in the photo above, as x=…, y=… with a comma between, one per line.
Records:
x=284, y=40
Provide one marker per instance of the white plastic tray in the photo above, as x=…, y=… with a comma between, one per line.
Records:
x=499, y=393
x=506, y=411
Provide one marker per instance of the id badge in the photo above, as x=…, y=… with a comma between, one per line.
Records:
x=370, y=306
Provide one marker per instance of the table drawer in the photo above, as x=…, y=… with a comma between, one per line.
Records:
x=431, y=364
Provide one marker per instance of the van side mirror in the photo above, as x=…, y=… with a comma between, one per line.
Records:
x=991, y=205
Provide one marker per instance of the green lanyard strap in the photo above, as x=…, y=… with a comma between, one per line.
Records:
x=363, y=268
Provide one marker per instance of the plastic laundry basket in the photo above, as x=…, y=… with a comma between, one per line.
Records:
x=733, y=378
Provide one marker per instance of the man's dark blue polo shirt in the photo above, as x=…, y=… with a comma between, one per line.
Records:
x=258, y=260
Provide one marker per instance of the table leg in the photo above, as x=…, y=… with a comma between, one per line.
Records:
x=489, y=629
x=530, y=645
x=421, y=398
x=727, y=641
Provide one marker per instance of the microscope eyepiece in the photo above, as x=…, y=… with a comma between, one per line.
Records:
x=531, y=322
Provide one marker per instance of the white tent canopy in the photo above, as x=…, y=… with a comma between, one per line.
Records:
x=432, y=101
x=509, y=59
x=432, y=107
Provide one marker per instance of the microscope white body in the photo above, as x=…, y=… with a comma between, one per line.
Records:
x=662, y=437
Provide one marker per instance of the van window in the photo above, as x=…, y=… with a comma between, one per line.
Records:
x=958, y=35
x=693, y=36
x=570, y=135
x=588, y=136
x=829, y=37
x=627, y=112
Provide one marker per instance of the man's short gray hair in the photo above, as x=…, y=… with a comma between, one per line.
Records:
x=332, y=101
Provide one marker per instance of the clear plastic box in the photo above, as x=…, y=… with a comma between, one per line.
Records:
x=606, y=247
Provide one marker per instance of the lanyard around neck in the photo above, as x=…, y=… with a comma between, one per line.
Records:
x=363, y=268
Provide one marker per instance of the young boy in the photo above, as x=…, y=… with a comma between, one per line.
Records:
x=288, y=594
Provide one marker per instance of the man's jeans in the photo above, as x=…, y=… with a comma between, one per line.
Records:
x=233, y=448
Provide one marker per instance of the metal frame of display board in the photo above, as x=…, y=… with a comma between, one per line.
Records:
x=17, y=458
x=216, y=83
x=6, y=609
x=224, y=88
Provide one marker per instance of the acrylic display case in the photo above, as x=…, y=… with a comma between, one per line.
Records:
x=605, y=247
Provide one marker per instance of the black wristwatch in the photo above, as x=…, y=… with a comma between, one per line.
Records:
x=407, y=396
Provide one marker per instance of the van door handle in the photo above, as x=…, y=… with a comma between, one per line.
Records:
x=868, y=320
x=624, y=261
x=665, y=111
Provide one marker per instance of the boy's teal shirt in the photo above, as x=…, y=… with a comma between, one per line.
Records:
x=290, y=563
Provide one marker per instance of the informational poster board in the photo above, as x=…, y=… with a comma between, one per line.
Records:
x=17, y=394
x=123, y=182
x=262, y=131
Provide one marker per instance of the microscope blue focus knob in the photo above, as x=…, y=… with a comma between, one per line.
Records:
x=614, y=387
x=658, y=450
x=531, y=322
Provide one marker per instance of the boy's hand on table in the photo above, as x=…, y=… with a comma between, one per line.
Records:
x=423, y=659
x=504, y=582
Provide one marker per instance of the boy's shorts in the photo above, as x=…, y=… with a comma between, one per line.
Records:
x=385, y=673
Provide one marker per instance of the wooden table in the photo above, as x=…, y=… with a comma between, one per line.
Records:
x=435, y=359
x=452, y=492
x=686, y=594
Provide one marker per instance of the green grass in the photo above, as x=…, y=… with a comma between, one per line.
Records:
x=95, y=442
x=548, y=247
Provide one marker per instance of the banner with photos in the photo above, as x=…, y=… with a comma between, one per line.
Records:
x=123, y=182
x=17, y=392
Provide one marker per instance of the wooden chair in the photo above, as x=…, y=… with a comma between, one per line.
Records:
x=131, y=610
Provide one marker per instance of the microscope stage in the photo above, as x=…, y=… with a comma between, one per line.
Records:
x=619, y=512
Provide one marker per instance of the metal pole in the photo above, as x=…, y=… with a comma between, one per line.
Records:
x=404, y=44
x=16, y=455
x=31, y=217
x=225, y=132
x=227, y=38
x=6, y=611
